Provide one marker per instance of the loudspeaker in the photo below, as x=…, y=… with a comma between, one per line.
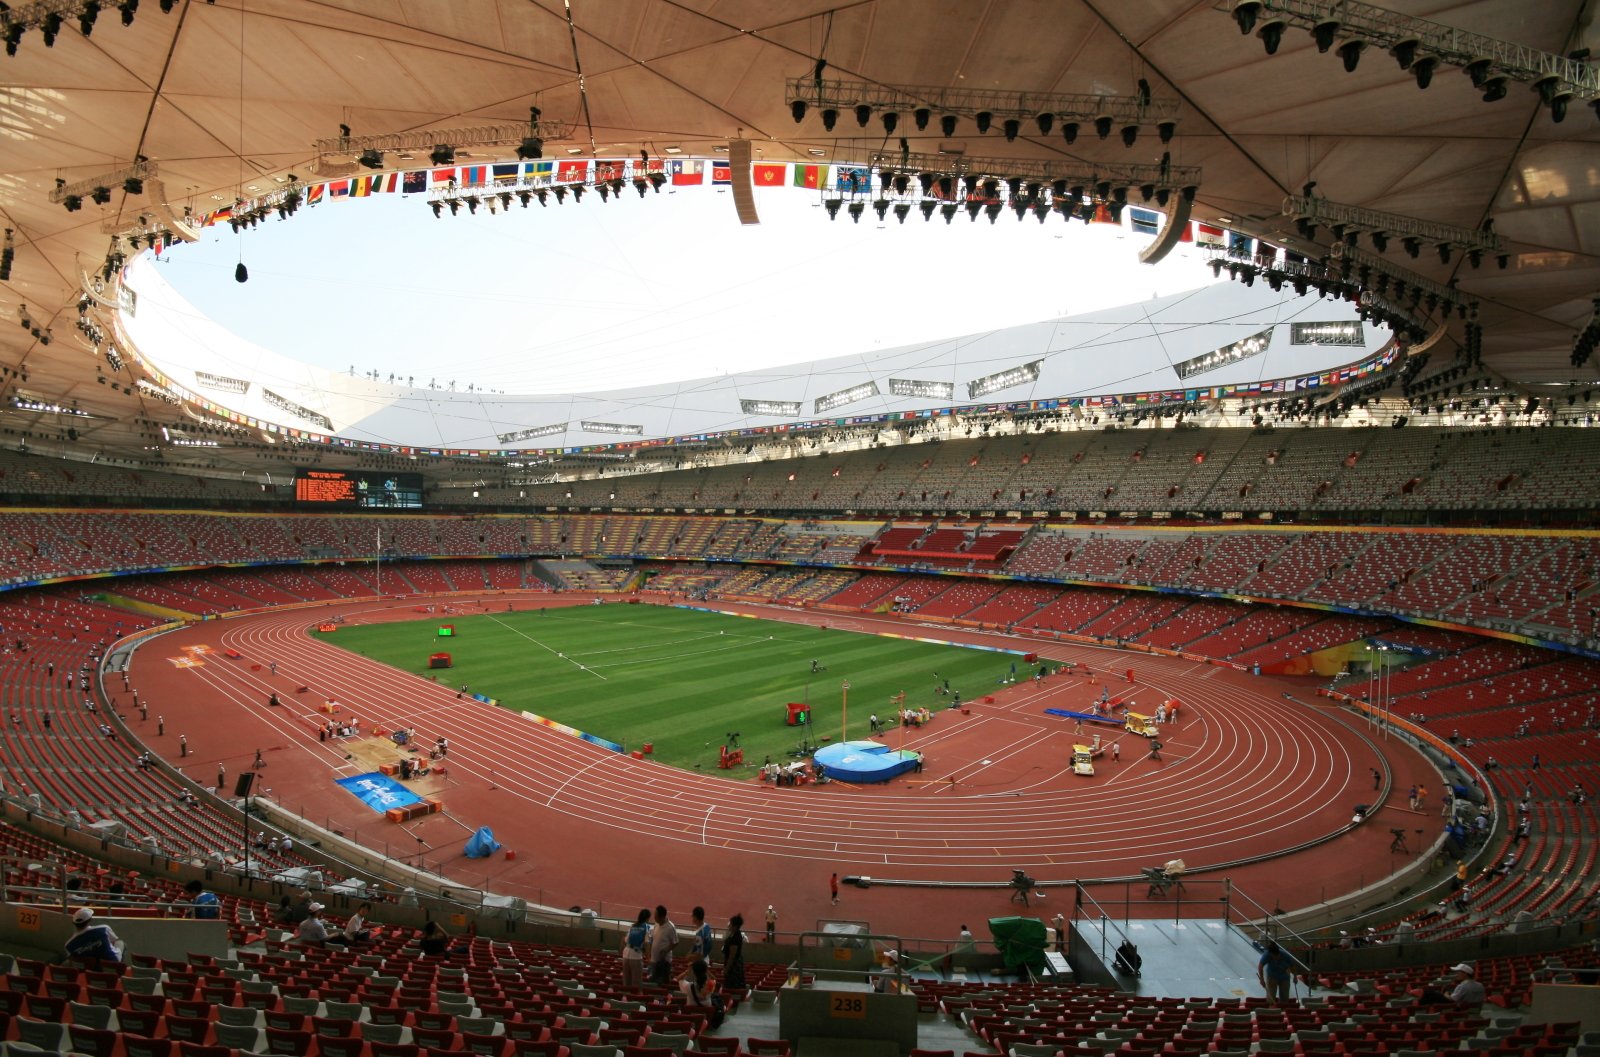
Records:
x=1172, y=234
x=744, y=199
x=244, y=783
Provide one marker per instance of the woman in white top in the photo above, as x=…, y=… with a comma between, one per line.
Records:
x=696, y=986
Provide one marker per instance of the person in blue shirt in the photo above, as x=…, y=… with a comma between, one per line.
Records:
x=1275, y=971
x=202, y=904
x=633, y=952
x=700, y=941
x=91, y=940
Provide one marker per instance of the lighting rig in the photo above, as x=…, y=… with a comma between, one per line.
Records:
x=985, y=107
x=1348, y=223
x=1420, y=47
x=49, y=16
x=902, y=182
x=98, y=189
x=1583, y=345
x=344, y=154
x=1399, y=299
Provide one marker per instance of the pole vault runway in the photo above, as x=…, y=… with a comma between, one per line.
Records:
x=1245, y=773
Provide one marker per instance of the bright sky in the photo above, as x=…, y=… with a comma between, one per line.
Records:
x=593, y=296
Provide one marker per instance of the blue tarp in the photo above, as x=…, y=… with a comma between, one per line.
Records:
x=1087, y=717
x=865, y=761
x=378, y=791
x=482, y=844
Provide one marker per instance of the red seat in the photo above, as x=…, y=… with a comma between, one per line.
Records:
x=338, y=1046
x=140, y=1046
x=190, y=1029
x=533, y=1048
x=767, y=1047
x=392, y=1049
x=138, y=1022
x=289, y=1043
x=434, y=1038
x=487, y=1045
x=193, y=1049
x=96, y=1042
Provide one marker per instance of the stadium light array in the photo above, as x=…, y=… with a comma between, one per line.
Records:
x=986, y=108
x=1349, y=28
x=1347, y=223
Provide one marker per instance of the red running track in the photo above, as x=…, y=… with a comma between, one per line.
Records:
x=1247, y=772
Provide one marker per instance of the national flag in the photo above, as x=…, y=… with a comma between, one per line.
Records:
x=721, y=172
x=414, y=183
x=538, y=170
x=1144, y=221
x=809, y=176
x=1239, y=244
x=386, y=183
x=339, y=189
x=1294, y=258
x=1206, y=235
x=1187, y=235
x=156, y=246
x=505, y=173
x=1265, y=252
x=1102, y=215
x=442, y=176
x=852, y=178
x=573, y=172
x=314, y=194
x=686, y=173
x=474, y=175
x=361, y=186
x=610, y=169
x=765, y=174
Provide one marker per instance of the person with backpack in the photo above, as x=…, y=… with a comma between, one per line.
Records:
x=700, y=993
x=633, y=952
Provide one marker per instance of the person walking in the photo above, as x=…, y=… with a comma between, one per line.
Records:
x=833, y=889
x=733, y=953
x=633, y=952
x=772, y=924
x=1273, y=971
x=1377, y=778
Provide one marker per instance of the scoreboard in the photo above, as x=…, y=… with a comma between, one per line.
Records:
x=357, y=490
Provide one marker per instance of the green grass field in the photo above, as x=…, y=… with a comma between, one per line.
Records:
x=679, y=679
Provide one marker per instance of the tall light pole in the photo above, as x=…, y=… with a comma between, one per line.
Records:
x=379, y=554
x=844, y=711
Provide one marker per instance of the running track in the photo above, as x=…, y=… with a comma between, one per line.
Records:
x=1246, y=773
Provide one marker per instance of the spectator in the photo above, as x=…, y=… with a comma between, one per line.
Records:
x=203, y=905
x=355, y=929
x=313, y=931
x=91, y=941
x=633, y=952
x=700, y=939
x=435, y=941
x=662, y=941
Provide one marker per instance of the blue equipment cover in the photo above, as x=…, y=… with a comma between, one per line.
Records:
x=1087, y=717
x=481, y=844
x=865, y=761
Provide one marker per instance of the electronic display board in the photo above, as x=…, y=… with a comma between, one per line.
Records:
x=358, y=490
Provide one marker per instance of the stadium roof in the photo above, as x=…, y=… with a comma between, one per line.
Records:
x=227, y=99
